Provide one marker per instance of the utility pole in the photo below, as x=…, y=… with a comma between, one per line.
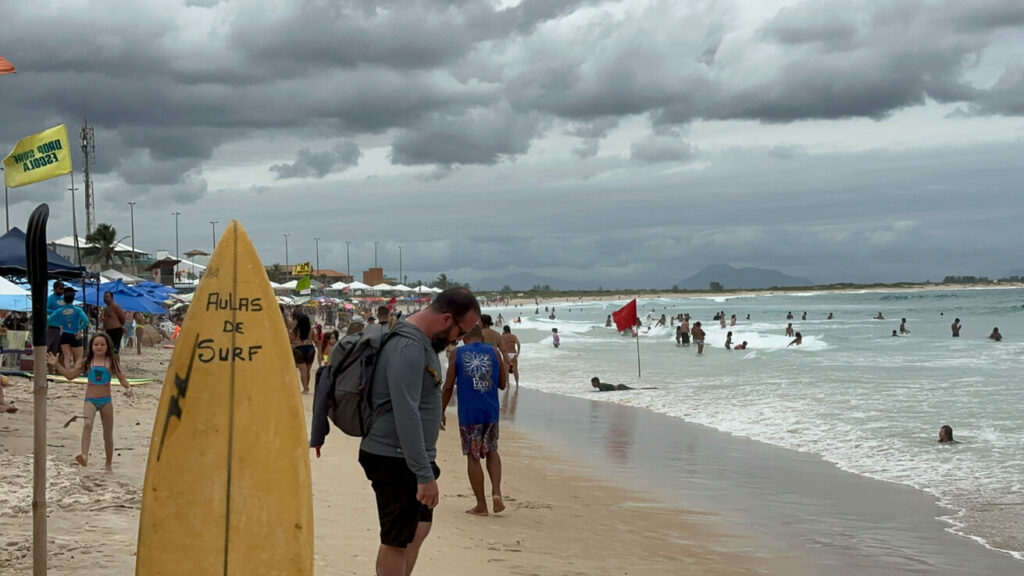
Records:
x=375, y=254
x=89, y=152
x=213, y=226
x=348, y=261
x=400, y=281
x=286, y=250
x=135, y=269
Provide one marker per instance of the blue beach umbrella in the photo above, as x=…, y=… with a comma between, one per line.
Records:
x=129, y=298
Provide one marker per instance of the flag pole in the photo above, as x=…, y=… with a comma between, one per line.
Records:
x=637, y=328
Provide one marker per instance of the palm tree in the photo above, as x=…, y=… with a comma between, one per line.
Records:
x=102, y=246
x=442, y=281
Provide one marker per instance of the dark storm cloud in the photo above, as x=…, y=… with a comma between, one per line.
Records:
x=310, y=163
x=477, y=137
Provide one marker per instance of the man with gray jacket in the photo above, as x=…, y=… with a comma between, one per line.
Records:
x=398, y=453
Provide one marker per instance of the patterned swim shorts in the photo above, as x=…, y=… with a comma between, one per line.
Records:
x=479, y=439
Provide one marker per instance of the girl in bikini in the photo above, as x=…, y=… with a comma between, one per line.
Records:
x=100, y=365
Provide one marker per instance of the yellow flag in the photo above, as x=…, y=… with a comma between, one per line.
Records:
x=302, y=268
x=38, y=157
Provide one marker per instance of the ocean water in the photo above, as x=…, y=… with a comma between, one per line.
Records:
x=866, y=401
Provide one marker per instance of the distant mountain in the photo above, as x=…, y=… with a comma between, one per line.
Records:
x=525, y=281
x=739, y=278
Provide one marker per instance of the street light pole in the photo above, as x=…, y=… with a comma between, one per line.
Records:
x=135, y=269
x=176, y=214
x=285, y=249
x=316, y=240
x=348, y=261
x=375, y=254
x=400, y=280
x=213, y=227
x=7, y=203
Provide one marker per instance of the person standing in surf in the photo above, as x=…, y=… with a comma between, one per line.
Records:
x=101, y=366
x=511, y=347
x=399, y=451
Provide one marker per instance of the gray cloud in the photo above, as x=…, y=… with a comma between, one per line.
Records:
x=661, y=149
x=561, y=106
x=309, y=163
x=478, y=137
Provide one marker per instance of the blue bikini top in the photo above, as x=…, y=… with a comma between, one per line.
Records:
x=99, y=375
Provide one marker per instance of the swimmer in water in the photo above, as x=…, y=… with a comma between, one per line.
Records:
x=796, y=341
x=946, y=435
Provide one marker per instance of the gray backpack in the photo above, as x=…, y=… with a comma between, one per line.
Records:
x=350, y=378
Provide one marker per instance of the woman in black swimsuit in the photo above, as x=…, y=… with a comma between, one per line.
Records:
x=303, y=348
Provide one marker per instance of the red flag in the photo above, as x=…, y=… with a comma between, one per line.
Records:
x=625, y=317
x=6, y=67
x=391, y=303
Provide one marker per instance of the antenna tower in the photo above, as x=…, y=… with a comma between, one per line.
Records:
x=89, y=151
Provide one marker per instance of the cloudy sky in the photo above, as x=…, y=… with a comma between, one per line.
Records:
x=621, y=144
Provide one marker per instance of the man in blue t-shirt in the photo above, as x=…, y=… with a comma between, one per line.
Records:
x=54, y=301
x=478, y=372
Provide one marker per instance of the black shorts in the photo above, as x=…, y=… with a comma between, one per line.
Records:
x=116, y=334
x=53, y=339
x=395, y=486
x=70, y=339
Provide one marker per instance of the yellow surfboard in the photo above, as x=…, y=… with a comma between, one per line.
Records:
x=228, y=487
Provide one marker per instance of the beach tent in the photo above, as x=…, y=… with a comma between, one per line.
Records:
x=290, y=285
x=402, y=288
x=130, y=298
x=357, y=285
x=339, y=286
x=421, y=289
x=383, y=286
x=14, y=297
x=13, y=261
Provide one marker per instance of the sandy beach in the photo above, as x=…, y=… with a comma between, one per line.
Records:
x=561, y=517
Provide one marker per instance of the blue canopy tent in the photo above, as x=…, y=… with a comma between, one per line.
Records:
x=14, y=263
x=129, y=298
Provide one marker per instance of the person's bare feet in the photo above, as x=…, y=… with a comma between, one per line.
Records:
x=108, y=469
x=8, y=408
x=499, y=505
x=81, y=460
x=477, y=511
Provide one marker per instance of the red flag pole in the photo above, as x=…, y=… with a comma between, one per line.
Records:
x=638, y=347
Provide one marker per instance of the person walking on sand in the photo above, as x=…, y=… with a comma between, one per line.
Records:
x=477, y=374
x=100, y=366
x=698, y=337
x=113, y=319
x=303, y=348
x=511, y=347
x=398, y=453
x=72, y=322
x=955, y=327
